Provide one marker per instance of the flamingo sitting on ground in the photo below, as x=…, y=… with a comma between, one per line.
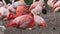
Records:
x=27, y=21
x=38, y=19
x=22, y=22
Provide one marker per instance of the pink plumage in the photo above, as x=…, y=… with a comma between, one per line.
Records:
x=40, y=2
x=56, y=6
x=23, y=21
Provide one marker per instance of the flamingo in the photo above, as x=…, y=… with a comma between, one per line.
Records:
x=38, y=19
x=56, y=7
x=22, y=22
x=27, y=20
x=51, y=3
x=54, y=4
x=40, y=2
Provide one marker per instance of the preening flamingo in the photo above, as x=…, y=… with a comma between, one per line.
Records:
x=41, y=3
x=33, y=5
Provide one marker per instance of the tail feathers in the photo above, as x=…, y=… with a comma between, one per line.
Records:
x=9, y=25
x=43, y=24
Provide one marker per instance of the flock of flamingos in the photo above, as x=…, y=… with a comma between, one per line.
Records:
x=20, y=15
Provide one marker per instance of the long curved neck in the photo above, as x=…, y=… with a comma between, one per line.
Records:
x=31, y=15
x=22, y=0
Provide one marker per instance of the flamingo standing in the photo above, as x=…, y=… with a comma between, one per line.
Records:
x=21, y=8
x=22, y=22
x=4, y=12
x=40, y=2
x=51, y=3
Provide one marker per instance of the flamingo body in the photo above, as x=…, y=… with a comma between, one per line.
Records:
x=22, y=22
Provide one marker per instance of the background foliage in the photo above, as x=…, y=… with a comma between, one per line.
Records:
x=28, y=2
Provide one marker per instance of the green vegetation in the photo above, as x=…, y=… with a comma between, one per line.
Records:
x=29, y=2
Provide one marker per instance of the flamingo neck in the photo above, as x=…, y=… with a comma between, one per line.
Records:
x=31, y=15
